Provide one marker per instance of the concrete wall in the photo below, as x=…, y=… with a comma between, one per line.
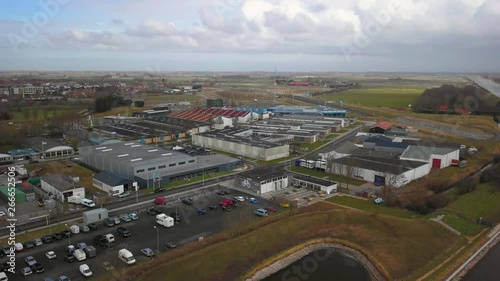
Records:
x=447, y=158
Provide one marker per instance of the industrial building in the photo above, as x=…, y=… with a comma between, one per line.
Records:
x=62, y=186
x=437, y=157
x=180, y=125
x=336, y=123
x=49, y=148
x=263, y=180
x=393, y=172
x=113, y=184
x=240, y=142
x=269, y=133
x=19, y=195
x=211, y=114
x=151, y=166
x=318, y=110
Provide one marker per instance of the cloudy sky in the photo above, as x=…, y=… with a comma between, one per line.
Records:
x=251, y=35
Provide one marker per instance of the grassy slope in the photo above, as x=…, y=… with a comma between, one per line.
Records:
x=391, y=241
x=369, y=206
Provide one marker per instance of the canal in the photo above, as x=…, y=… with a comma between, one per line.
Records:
x=487, y=269
x=323, y=265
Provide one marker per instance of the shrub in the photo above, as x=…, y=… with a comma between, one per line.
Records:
x=419, y=207
x=437, y=185
x=467, y=186
x=437, y=201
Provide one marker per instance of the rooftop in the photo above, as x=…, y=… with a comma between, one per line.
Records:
x=381, y=165
x=424, y=152
x=134, y=153
x=36, y=143
x=384, y=125
x=61, y=182
x=207, y=114
x=265, y=173
x=314, y=180
x=230, y=136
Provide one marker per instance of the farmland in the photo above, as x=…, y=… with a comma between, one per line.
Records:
x=378, y=97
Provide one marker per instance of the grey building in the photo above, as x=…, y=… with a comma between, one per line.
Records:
x=113, y=184
x=49, y=148
x=95, y=215
x=149, y=165
x=314, y=183
x=62, y=186
x=240, y=142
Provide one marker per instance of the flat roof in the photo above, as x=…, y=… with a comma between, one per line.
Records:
x=112, y=179
x=60, y=182
x=299, y=133
x=314, y=180
x=134, y=153
x=382, y=165
x=239, y=139
x=204, y=162
x=265, y=173
x=424, y=152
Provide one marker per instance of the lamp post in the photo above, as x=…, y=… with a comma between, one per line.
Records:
x=157, y=240
x=69, y=236
x=47, y=217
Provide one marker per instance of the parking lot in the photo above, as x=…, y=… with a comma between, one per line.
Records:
x=302, y=196
x=143, y=235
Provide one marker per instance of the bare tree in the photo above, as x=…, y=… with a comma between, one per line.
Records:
x=391, y=181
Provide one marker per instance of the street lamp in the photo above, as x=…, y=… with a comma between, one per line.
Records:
x=48, y=220
x=157, y=240
x=69, y=236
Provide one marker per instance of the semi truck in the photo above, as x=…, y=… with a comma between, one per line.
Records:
x=165, y=220
x=126, y=256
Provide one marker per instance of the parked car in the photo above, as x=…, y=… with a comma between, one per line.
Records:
x=123, y=231
x=170, y=245
x=158, y=190
x=38, y=242
x=85, y=270
x=57, y=236
x=253, y=201
x=63, y=278
x=6, y=249
x=70, y=249
x=124, y=194
x=116, y=220
x=213, y=207
x=378, y=200
x=125, y=218
x=160, y=200
x=177, y=216
x=25, y=271
x=29, y=244
x=51, y=255
x=148, y=252
x=239, y=198
x=81, y=245
x=84, y=228
x=47, y=239
x=108, y=222
x=69, y=258
x=133, y=216
x=66, y=233
x=151, y=211
x=222, y=192
x=201, y=211
x=30, y=260
x=187, y=201
x=92, y=226
x=19, y=247
x=37, y=268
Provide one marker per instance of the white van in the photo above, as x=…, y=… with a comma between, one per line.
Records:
x=261, y=212
x=126, y=256
x=88, y=203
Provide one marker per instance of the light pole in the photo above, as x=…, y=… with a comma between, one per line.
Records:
x=69, y=236
x=48, y=220
x=157, y=240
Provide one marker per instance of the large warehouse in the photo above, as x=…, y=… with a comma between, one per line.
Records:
x=393, y=172
x=239, y=141
x=437, y=157
x=151, y=166
x=263, y=180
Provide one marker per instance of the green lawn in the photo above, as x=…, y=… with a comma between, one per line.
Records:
x=321, y=174
x=34, y=114
x=385, y=97
x=369, y=206
x=463, y=212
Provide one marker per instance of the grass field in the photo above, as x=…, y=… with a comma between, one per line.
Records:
x=59, y=167
x=369, y=206
x=39, y=114
x=390, y=241
x=381, y=97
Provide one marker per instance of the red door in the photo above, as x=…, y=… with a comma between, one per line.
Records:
x=436, y=163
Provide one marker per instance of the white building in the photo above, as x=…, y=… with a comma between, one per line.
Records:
x=263, y=180
x=392, y=172
x=113, y=184
x=437, y=157
x=62, y=186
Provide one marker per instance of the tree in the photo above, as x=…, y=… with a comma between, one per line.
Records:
x=139, y=103
x=391, y=181
x=352, y=171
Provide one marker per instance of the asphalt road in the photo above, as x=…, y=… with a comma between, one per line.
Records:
x=143, y=234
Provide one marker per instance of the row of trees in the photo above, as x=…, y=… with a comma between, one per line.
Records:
x=103, y=104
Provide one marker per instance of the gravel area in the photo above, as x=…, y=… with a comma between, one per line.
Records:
x=445, y=128
x=277, y=266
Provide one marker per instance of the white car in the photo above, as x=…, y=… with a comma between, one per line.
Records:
x=50, y=255
x=239, y=198
x=19, y=247
x=124, y=194
x=85, y=270
x=29, y=260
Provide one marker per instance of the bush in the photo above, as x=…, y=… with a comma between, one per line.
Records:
x=437, y=185
x=437, y=201
x=467, y=186
x=419, y=207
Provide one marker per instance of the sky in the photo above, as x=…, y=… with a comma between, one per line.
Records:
x=251, y=35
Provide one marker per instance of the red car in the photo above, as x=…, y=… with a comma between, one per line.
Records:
x=160, y=201
x=227, y=202
x=271, y=209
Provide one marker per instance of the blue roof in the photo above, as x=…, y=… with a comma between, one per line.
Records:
x=22, y=152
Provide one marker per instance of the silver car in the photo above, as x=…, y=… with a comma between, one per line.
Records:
x=116, y=220
x=84, y=228
x=125, y=218
x=26, y=271
x=147, y=252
